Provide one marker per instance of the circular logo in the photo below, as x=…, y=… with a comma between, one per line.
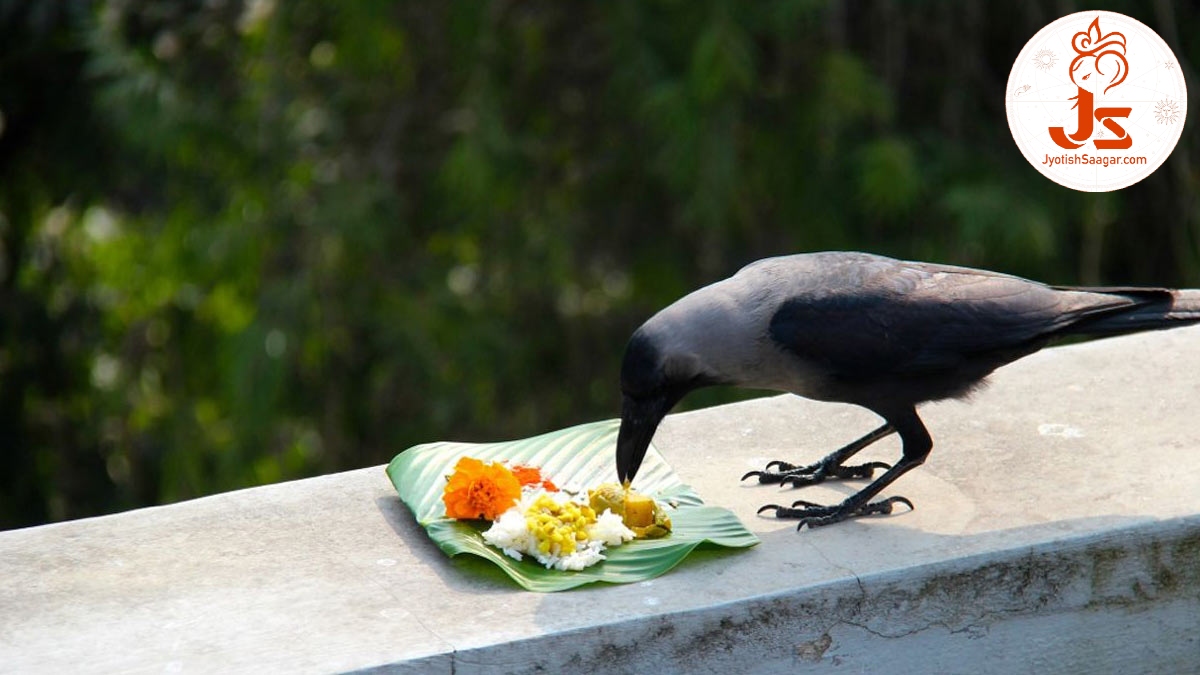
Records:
x=1096, y=101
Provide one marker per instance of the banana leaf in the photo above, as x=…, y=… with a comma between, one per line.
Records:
x=580, y=456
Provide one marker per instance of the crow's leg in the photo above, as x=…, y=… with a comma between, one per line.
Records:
x=917, y=444
x=828, y=468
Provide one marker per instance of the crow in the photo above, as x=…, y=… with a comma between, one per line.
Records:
x=867, y=330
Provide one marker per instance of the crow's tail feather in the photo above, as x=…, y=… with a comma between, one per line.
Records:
x=1154, y=309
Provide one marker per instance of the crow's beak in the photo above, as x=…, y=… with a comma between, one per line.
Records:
x=639, y=420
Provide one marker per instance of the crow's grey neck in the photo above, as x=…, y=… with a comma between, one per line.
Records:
x=723, y=332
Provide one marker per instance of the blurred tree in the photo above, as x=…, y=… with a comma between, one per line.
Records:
x=54, y=154
x=250, y=241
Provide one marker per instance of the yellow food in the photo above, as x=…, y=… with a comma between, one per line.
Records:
x=557, y=527
x=608, y=496
x=639, y=512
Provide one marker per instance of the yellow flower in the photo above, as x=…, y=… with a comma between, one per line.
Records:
x=477, y=490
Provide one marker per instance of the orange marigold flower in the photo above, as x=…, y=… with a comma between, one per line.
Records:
x=531, y=475
x=477, y=490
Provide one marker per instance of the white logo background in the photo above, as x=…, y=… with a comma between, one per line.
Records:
x=1040, y=92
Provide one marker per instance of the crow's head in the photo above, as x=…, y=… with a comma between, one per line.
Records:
x=654, y=377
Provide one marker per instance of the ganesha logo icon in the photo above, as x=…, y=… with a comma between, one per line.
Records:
x=1096, y=101
x=1094, y=50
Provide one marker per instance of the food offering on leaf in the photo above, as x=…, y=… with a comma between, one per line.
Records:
x=531, y=516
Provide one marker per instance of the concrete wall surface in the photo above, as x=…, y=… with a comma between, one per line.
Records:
x=1057, y=529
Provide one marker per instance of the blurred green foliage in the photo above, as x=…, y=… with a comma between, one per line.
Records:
x=242, y=242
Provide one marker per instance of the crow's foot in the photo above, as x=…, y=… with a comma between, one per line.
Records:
x=816, y=515
x=800, y=476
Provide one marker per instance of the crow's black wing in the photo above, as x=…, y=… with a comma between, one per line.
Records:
x=905, y=319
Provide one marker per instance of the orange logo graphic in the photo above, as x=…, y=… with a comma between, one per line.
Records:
x=1096, y=51
x=1096, y=101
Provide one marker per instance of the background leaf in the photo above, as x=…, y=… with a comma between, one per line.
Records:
x=580, y=456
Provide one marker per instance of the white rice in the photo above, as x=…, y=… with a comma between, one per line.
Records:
x=610, y=529
x=510, y=534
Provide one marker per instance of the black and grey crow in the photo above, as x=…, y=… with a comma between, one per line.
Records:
x=864, y=329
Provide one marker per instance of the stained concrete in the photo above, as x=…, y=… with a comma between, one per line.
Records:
x=1057, y=529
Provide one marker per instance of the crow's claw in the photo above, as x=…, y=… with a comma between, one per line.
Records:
x=886, y=505
x=819, y=473
x=787, y=471
x=816, y=515
x=765, y=507
x=768, y=476
x=783, y=473
x=860, y=471
x=798, y=481
x=832, y=467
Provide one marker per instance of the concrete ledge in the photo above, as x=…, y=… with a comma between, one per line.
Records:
x=1057, y=530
